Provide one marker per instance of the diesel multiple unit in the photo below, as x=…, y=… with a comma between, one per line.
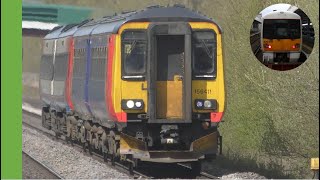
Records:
x=140, y=86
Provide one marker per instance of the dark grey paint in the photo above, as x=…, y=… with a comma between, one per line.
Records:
x=173, y=28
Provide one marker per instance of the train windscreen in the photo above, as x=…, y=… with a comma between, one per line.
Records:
x=134, y=47
x=204, y=53
x=281, y=29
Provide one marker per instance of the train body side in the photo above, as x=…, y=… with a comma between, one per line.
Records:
x=90, y=76
x=56, y=69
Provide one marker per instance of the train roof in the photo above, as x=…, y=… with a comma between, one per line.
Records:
x=111, y=24
x=54, y=33
x=281, y=15
x=70, y=29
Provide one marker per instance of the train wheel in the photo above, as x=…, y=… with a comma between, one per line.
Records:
x=113, y=159
x=112, y=147
x=105, y=157
x=105, y=151
x=57, y=135
x=196, y=168
x=68, y=139
x=84, y=147
x=43, y=118
x=90, y=148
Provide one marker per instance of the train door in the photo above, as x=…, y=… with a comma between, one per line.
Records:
x=170, y=73
x=80, y=73
x=87, y=76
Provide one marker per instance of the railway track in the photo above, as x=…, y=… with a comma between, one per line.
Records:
x=146, y=170
x=255, y=43
x=39, y=166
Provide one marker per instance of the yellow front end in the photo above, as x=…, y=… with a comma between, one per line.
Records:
x=211, y=89
x=128, y=89
x=282, y=45
x=144, y=141
x=201, y=89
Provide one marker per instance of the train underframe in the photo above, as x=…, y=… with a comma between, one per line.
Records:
x=281, y=57
x=135, y=142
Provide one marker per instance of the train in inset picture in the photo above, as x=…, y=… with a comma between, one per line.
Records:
x=281, y=37
x=144, y=85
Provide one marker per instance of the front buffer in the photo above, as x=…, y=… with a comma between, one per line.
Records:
x=206, y=145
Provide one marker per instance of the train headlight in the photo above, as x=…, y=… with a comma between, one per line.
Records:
x=127, y=104
x=138, y=104
x=199, y=104
x=130, y=104
x=206, y=104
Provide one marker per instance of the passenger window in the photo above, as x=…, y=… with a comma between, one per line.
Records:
x=134, y=46
x=98, y=61
x=60, y=66
x=46, y=67
x=204, y=54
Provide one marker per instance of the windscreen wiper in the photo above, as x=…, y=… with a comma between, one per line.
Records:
x=133, y=44
x=206, y=48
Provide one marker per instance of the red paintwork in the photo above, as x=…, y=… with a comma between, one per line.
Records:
x=108, y=85
x=69, y=74
x=216, y=116
x=121, y=116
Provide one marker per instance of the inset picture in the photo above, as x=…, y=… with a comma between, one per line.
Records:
x=282, y=37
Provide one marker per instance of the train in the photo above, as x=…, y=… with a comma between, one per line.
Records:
x=144, y=85
x=281, y=37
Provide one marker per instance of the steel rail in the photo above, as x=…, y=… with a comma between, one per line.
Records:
x=43, y=165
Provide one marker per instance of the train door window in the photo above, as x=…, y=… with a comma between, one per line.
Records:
x=79, y=62
x=134, y=54
x=80, y=56
x=204, y=54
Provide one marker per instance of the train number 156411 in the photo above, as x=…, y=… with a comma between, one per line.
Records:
x=202, y=91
